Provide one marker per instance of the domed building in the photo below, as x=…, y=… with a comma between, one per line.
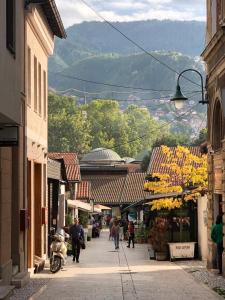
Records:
x=101, y=156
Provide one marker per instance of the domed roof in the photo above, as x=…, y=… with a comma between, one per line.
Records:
x=101, y=155
x=128, y=159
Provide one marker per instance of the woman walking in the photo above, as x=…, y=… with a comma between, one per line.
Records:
x=116, y=233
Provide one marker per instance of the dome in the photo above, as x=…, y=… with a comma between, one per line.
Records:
x=128, y=160
x=101, y=155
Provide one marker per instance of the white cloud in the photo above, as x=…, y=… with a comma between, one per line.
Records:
x=74, y=11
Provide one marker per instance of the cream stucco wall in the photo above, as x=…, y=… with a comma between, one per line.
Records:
x=202, y=227
x=39, y=45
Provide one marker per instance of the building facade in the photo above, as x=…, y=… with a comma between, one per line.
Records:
x=214, y=57
x=12, y=144
x=42, y=24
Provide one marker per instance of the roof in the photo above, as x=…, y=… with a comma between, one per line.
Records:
x=133, y=189
x=158, y=158
x=52, y=15
x=105, y=189
x=101, y=155
x=117, y=189
x=83, y=190
x=71, y=164
x=53, y=169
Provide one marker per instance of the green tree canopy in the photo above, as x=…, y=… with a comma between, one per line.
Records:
x=68, y=128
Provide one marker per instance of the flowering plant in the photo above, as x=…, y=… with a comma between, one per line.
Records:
x=183, y=174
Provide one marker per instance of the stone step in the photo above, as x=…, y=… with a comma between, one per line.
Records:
x=20, y=279
x=6, y=292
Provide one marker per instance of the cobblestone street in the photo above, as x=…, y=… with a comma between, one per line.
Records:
x=104, y=273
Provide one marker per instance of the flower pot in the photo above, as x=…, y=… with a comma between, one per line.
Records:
x=161, y=255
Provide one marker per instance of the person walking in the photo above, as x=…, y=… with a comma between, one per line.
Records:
x=77, y=234
x=217, y=237
x=116, y=233
x=110, y=228
x=131, y=234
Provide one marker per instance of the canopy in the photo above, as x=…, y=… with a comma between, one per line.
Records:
x=79, y=204
x=102, y=207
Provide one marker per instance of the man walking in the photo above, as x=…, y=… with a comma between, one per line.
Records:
x=77, y=234
x=217, y=237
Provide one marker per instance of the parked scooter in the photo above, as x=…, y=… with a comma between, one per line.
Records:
x=58, y=249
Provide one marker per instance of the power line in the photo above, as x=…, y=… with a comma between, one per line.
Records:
x=109, y=84
x=135, y=43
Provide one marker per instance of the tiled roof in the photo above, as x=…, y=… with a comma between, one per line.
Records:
x=133, y=189
x=117, y=189
x=71, y=164
x=53, y=169
x=158, y=158
x=83, y=190
x=105, y=189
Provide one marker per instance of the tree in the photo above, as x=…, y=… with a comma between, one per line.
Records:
x=182, y=173
x=68, y=127
x=201, y=138
x=143, y=129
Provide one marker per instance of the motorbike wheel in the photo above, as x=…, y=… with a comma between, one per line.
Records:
x=55, y=264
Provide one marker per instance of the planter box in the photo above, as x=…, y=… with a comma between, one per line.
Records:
x=182, y=250
x=161, y=255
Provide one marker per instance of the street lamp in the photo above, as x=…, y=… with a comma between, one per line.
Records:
x=179, y=99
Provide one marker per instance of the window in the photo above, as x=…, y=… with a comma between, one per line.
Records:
x=217, y=130
x=214, y=16
x=10, y=26
x=35, y=84
x=45, y=94
x=39, y=89
x=29, y=76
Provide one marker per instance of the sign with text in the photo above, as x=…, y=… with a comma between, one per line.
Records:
x=8, y=136
x=182, y=250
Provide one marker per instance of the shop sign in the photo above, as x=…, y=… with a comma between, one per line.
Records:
x=182, y=250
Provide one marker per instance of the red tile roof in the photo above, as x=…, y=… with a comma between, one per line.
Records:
x=158, y=158
x=133, y=189
x=71, y=164
x=83, y=190
x=117, y=189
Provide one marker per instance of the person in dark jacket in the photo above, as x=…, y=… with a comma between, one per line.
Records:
x=77, y=234
x=217, y=237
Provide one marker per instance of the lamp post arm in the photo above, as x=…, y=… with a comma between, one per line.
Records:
x=202, y=89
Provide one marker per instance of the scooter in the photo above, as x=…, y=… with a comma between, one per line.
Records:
x=58, y=250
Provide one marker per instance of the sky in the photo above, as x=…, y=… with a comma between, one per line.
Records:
x=75, y=11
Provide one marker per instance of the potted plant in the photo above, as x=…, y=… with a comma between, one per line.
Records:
x=158, y=239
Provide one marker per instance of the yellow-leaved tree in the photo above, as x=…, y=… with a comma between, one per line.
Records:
x=182, y=174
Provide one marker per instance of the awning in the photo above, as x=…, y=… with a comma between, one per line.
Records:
x=102, y=207
x=79, y=204
x=97, y=210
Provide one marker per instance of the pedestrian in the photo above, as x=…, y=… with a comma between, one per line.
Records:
x=115, y=233
x=77, y=235
x=131, y=234
x=217, y=237
x=110, y=227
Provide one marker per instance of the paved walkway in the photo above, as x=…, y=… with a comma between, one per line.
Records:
x=104, y=273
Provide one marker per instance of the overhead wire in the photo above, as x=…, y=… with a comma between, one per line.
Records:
x=136, y=44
